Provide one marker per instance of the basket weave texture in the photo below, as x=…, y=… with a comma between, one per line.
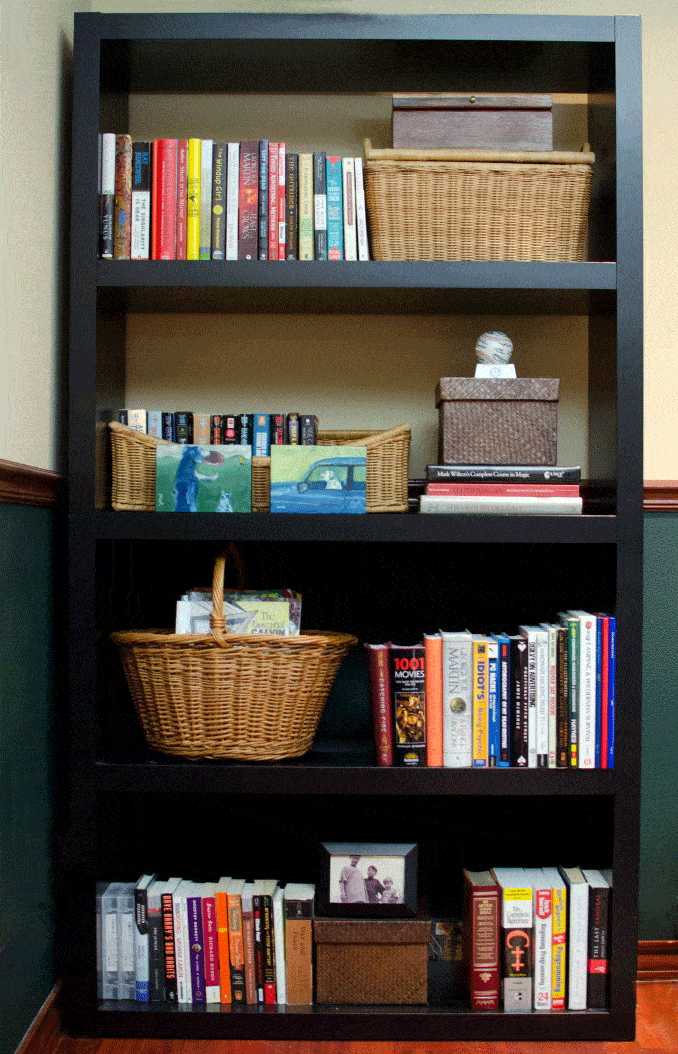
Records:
x=487, y=205
x=371, y=961
x=223, y=695
x=388, y=460
x=500, y=422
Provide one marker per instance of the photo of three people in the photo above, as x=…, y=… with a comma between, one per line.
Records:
x=366, y=879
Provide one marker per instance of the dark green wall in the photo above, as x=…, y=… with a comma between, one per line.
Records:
x=659, y=801
x=26, y=767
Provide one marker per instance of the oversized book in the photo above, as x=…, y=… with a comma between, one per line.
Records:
x=600, y=903
x=298, y=902
x=457, y=674
x=481, y=899
x=380, y=697
x=517, y=930
x=407, y=665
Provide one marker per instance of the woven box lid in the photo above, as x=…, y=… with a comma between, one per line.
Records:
x=536, y=389
x=372, y=931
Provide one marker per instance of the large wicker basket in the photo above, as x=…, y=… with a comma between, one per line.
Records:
x=222, y=695
x=480, y=205
x=388, y=459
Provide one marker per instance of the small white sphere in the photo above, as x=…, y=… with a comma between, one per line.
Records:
x=494, y=347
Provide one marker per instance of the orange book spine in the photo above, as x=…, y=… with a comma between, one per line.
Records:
x=433, y=653
x=223, y=947
x=236, y=949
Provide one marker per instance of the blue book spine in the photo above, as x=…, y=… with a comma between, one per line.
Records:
x=196, y=952
x=504, y=700
x=493, y=704
x=611, y=692
x=261, y=436
x=599, y=690
x=168, y=425
x=335, y=210
x=263, y=199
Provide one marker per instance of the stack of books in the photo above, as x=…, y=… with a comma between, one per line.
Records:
x=228, y=942
x=505, y=490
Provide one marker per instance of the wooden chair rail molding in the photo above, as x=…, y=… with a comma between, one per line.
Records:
x=25, y=485
x=657, y=961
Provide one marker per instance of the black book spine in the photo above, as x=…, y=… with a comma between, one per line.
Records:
x=501, y=474
x=308, y=429
x=219, y=174
x=320, y=204
x=292, y=206
x=264, y=190
x=168, y=944
x=245, y=429
x=277, y=426
x=183, y=426
x=216, y=430
x=167, y=420
x=407, y=680
x=156, y=956
x=596, y=984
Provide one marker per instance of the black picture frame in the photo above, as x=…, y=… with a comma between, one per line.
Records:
x=394, y=861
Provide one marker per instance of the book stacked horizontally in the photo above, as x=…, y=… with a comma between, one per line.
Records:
x=505, y=490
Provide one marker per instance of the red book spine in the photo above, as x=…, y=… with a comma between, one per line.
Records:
x=182, y=197
x=154, y=200
x=511, y=490
x=481, y=940
x=380, y=694
x=273, y=201
x=248, y=213
x=165, y=200
x=282, y=190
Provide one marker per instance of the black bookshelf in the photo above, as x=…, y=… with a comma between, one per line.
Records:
x=129, y=810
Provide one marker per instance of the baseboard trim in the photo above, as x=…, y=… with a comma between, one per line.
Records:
x=25, y=485
x=660, y=495
x=657, y=961
x=45, y=1024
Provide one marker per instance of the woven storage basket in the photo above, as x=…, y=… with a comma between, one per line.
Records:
x=388, y=462
x=368, y=961
x=388, y=459
x=498, y=422
x=481, y=205
x=222, y=695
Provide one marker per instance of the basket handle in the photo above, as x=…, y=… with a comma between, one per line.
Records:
x=217, y=620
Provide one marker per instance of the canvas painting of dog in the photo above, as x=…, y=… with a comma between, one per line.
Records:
x=191, y=478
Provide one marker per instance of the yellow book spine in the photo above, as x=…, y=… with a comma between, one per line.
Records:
x=480, y=703
x=306, y=248
x=559, y=917
x=193, y=213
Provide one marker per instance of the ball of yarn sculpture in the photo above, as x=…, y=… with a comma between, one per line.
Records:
x=494, y=348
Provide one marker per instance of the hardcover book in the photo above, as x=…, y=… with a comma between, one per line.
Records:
x=457, y=699
x=292, y=206
x=481, y=900
x=182, y=198
x=306, y=239
x=248, y=215
x=335, y=211
x=600, y=902
x=433, y=648
x=106, y=194
x=380, y=697
x=164, y=200
x=502, y=474
x=577, y=936
x=122, y=219
x=302, y=481
x=141, y=201
x=407, y=672
x=219, y=178
x=516, y=939
x=205, y=241
x=194, y=171
x=350, y=223
x=193, y=478
x=232, y=200
x=319, y=205
x=298, y=903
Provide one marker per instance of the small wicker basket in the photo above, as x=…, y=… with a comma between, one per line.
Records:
x=478, y=205
x=250, y=697
x=388, y=459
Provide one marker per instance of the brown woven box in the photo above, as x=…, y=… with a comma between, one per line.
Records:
x=497, y=422
x=371, y=961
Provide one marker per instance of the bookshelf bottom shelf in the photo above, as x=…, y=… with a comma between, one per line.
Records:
x=411, y=1023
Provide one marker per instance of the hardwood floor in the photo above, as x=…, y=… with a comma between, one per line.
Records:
x=656, y=1033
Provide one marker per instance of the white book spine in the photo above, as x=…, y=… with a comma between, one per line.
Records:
x=179, y=948
x=348, y=195
x=232, y=198
x=542, y=699
x=500, y=506
x=553, y=694
x=457, y=700
x=206, y=199
x=361, y=211
x=577, y=941
x=183, y=905
x=141, y=225
x=279, y=944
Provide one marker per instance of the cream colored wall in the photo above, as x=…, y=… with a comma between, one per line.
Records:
x=36, y=44
x=34, y=34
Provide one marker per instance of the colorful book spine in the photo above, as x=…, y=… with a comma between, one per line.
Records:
x=350, y=222
x=261, y=436
x=248, y=215
x=281, y=192
x=306, y=239
x=210, y=943
x=232, y=200
x=181, y=943
x=141, y=201
x=219, y=177
x=106, y=194
x=248, y=944
x=552, y=689
x=587, y=689
x=205, y=238
x=457, y=699
x=562, y=701
x=407, y=665
x=168, y=425
x=164, y=200
x=277, y=426
x=380, y=695
x=493, y=704
x=193, y=198
x=292, y=206
x=263, y=198
x=319, y=205
x=235, y=940
x=270, y=987
x=167, y=909
x=611, y=688
x=558, y=889
x=433, y=692
x=542, y=907
x=480, y=701
x=334, y=197
x=481, y=951
x=572, y=625
x=182, y=197
x=504, y=694
x=270, y=207
x=361, y=211
x=223, y=949
x=196, y=954
x=122, y=220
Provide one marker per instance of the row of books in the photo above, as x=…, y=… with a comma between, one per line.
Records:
x=537, y=938
x=504, y=490
x=198, y=199
x=256, y=430
x=541, y=698
x=226, y=942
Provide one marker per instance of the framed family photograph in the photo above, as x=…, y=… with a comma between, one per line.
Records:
x=368, y=880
